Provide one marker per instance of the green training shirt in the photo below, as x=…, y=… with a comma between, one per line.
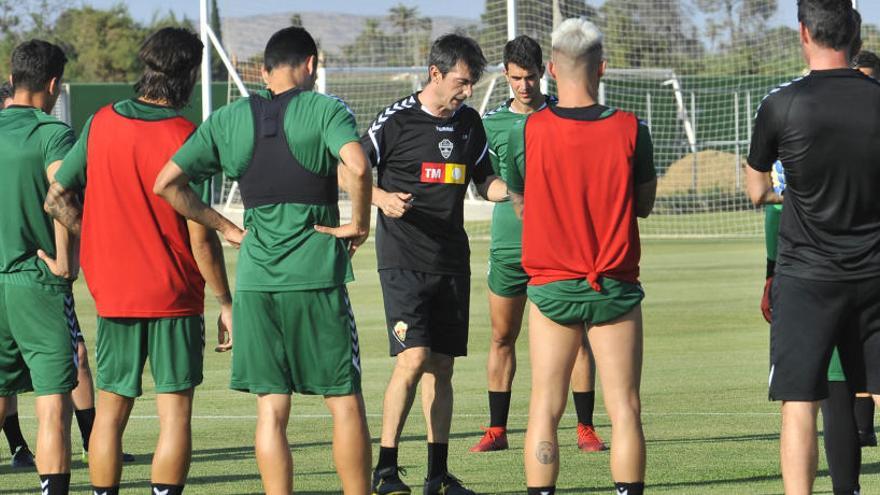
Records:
x=72, y=174
x=506, y=227
x=30, y=141
x=282, y=251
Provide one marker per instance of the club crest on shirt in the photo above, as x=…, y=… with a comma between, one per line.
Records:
x=446, y=148
x=400, y=329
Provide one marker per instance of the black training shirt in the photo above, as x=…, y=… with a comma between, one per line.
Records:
x=434, y=159
x=825, y=129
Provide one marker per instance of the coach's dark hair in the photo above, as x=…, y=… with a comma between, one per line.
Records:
x=290, y=46
x=867, y=60
x=171, y=58
x=524, y=52
x=450, y=49
x=35, y=63
x=831, y=23
x=5, y=92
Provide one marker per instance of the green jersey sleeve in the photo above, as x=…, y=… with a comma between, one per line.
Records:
x=516, y=157
x=72, y=174
x=224, y=142
x=58, y=140
x=340, y=128
x=644, y=155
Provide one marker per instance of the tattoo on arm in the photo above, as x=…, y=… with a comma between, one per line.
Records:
x=64, y=206
x=546, y=452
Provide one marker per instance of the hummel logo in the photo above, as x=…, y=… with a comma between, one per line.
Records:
x=622, y=491
x=102, y=493
x=157, y=491
x=545, y=492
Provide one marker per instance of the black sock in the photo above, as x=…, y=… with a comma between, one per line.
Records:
x=110, y=490
x=841, y=438
x=387, y=457
x=85, y=418
x=13, y=433
x=630, y=488
x=55, y=484
x=864, y=409
x=163, y=489
x=499, y=407
x=583, y=404
x=437, y=453
x=542, y=490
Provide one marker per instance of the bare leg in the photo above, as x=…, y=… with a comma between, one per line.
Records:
x=53, y=435
x=437, y=397
x=798, y=447
x=506, y=314
x=4, y=406
x=174, y=447
x=273, y=452
x=553, y=349
x=351, y=443
x=105, y=445
x=84, y=393
x=401, y=392
x=583, y=376
x=617, y=348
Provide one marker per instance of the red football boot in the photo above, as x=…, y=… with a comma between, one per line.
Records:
x=495, y=438
x=588, y=440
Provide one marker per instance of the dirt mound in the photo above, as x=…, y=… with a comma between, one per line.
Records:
x=716, y=171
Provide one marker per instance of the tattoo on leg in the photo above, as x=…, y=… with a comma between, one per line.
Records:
x=546, y=453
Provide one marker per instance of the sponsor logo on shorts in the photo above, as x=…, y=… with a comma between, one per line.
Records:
x=400, y=329
x=446, y=146
x=443, y=173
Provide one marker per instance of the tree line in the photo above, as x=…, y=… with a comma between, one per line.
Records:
x=734, y=36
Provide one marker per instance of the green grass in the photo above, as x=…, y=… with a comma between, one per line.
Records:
x=709, y=426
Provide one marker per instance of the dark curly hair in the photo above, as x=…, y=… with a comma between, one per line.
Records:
x=5, y=92
x=524, y=52
x=171, y=58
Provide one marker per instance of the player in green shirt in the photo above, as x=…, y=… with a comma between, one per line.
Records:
x=524, y=67
x=36, y=264
x=294, y=327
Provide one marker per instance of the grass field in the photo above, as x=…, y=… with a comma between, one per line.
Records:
x=709, y=426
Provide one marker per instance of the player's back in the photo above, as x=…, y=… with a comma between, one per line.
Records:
x=829, y=144
x=30, y=141
x=129, y=233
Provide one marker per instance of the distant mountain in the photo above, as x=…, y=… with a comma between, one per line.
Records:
x=246, y=36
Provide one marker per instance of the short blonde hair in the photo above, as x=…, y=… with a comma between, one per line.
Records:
x=578, y=39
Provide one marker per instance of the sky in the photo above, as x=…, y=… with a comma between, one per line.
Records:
x=144, y=9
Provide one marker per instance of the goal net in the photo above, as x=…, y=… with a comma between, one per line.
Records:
x=693, y=70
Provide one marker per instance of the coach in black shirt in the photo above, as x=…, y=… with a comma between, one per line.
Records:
x=428, y=147
x=825, y=129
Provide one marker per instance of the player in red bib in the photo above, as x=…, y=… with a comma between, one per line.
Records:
x=580, y=173
x=144, y=263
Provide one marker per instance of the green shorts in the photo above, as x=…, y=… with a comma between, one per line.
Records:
x=506, y=275
x=37, y=343
x=574, y=301
x=835, y=368
x=295, y=341
x=175, y=347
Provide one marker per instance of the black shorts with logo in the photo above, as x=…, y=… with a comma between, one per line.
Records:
x=426, y=310
x=810, y=318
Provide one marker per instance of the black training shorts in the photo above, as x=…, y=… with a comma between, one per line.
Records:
x=426, y=310
x=810, y=318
